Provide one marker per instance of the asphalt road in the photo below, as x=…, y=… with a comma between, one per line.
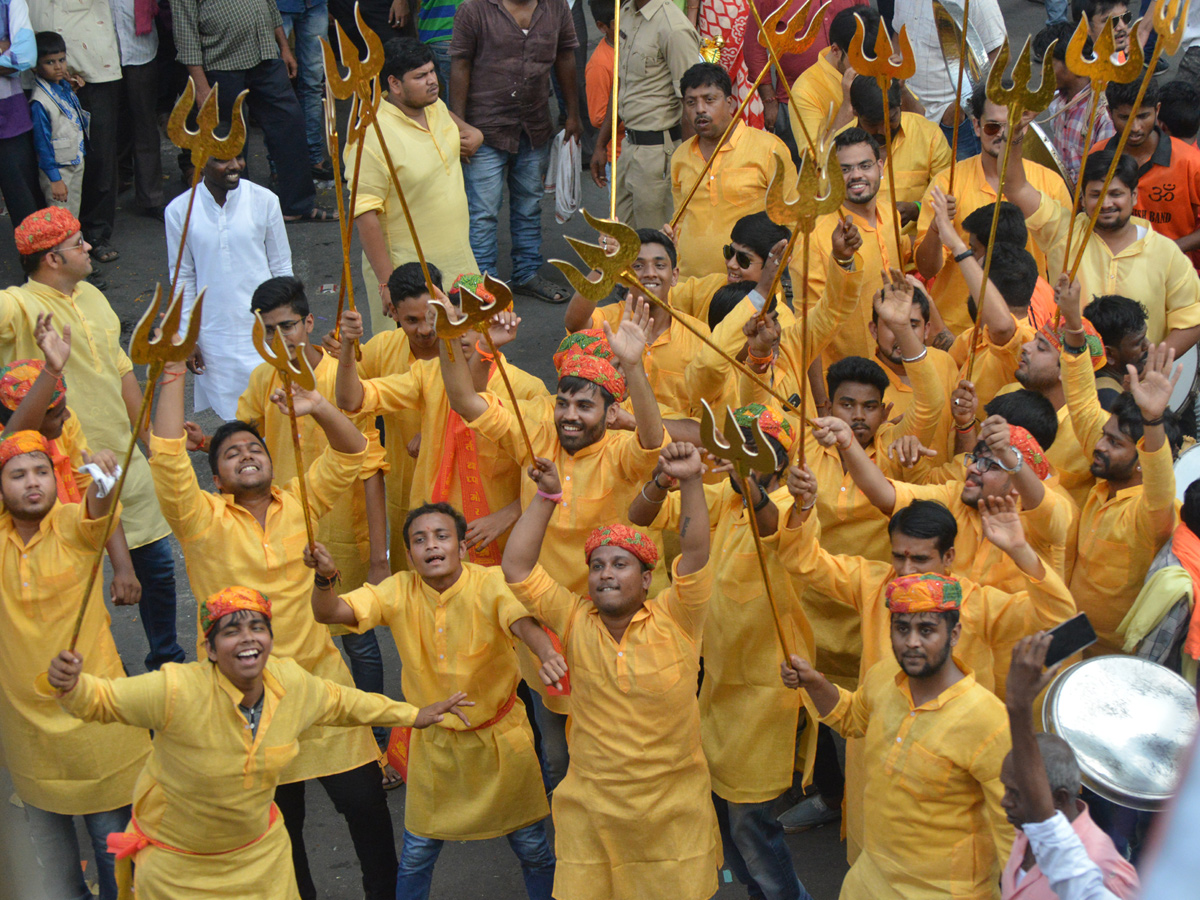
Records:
x=465, y=870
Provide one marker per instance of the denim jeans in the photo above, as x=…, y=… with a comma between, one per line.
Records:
x=366, y=667
x=552, y=730
x=419, y=854
x=154, y=565
x=57, y=850
x=441, y=62
x=1058, y=11
x=755, y=850
x=485, y=176
x=968, y=140
x=310, y=26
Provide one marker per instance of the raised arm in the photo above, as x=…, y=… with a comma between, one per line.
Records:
x=342, y=434
x=97, y=506
x=1079, y=383
x=349, y=390
x=56, y=350
x=829, y=432
x=168, y=413
x=460, y=386
x=1016, y=186
x=1152, y=391
x=995, y=433
x=328, y=608
x=683, y=463
x=1025, y=681
x=525, y=540
x=628, y=344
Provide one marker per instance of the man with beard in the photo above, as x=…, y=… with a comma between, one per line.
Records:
x=859, y=157
x=1124, y=255
x=935, y=738
x=1131, y=511
x=57, y=765
x=253, y=532
x=975, y=183
x=1121, y=323
x=634, y=816
x=738, y=180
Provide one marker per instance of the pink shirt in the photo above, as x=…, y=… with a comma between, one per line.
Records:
x=755, y=53
x=1119, y=876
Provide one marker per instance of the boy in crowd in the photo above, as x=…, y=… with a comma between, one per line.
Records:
x=60, y=125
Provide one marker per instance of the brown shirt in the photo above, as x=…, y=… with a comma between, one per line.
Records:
x=510, y=68
x=658, y=44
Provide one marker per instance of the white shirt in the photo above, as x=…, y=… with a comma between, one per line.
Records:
x=932, y=83
x=230, y=251
x=1064, y=861
x=136, y=49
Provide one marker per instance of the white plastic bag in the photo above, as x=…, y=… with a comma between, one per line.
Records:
x=562, y=176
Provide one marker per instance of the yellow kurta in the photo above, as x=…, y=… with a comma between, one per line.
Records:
x=693, y=296
x=223, y=544
x=734, y=187
x=428, y=167
x=936, y=829
x=995, y=364
x=971, y=191
x=388, y=353
x=747, y=717
x=58, y=763
x=209, y=783
x=1152, y=270
x=463, y=784
x=634, y=816
x=1067, y=457
x=93, y=373
x=1119, y=531
x=343, y=530
x=919, y=152
x=818, y=88
x=901, y=396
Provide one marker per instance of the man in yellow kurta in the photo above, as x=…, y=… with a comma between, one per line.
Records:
x=454, y=623
x=634, y=816
x=253, y=532
x=748, y=720
x=424, y=143
x=107, y=396
x=60, y=767
x=935, y=741
x=1131, y=511
x=735, y=185
x=225, y=731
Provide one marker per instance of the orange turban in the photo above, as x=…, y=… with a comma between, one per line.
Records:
x=923, y=593
x=21, y=442
x=770, y=420
x=626, y=538
x=43, y=229
x=18, y=377
x=230, y=600
x=587, y=355
x=1026, y=444
x=1057, y=338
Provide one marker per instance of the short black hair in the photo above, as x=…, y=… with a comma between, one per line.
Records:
x=1118, y=94
x=49, y=42
x=757, y=232
x=236, y=616
x=925, y=519
x=408, y=281
x=425, y=509
x=1190, y=512
x=979, y=95
x=844, y=24
x=31, y=262
x=706, y=74
x=725, y=299
x=1010, y=229
x=1133, y=426
x=866, y=99
x=1097, y=168
x=574, y=384
x=401, y=55
x=849, y=137
x=919, y=297
x=857, y=370
x=1115, y=317
x=282, y=290
x=1179, y=109
x=224, y=433
x=603, y=11
x=653, y=236
x=1061, y=32
x=1093, y=8
x=1014, y=273
x=1029, y=410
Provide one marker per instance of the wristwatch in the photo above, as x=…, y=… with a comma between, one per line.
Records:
x=1020, y=464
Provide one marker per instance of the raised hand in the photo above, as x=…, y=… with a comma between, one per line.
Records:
x=331, y=345
x=894, y=301
x=503, y=328
x=908, y=450
x=64, y=671
x=681, y=461
x=1152, y=389
x=106, y=460
x=995, y=433
x=799, y=673
x=319, y=558
x=943, y=216
x=831, y=431
x=304, y=402
x=436, y=712
x=196, y=439
x=963, y=404
x=352, y=325
x=544, y=474
x=762, y=335
x=1025, y=677
x=1066, y=295
x=802, y=485
x=770, y=267
x=1002, y=522
x=631, y=337
x=55, y=348
x=846, y=240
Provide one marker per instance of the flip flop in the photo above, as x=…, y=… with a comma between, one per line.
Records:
x=103, y=251
x=316, y=214
x=545, y=290
x=391, y=778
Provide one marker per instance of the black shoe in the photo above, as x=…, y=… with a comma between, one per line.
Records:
x=152, y=212
x=323, y=172
x=97, y=281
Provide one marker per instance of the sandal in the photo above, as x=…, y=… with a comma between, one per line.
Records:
x=316, y=214
x=391, y=778
x=103, y=251
x=544, y=289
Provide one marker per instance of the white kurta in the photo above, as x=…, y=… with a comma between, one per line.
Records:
x=230, y=251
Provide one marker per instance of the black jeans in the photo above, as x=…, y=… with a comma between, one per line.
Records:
x=375, y=14
x=275, y=107
x=98, y=201
x=359, y=796
x=827, y=771
x=19, y=177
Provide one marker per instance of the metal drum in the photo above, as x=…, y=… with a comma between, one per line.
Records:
x=1041, y=151
x=1187, y=470
x=1130, y=722
x=1186, y=386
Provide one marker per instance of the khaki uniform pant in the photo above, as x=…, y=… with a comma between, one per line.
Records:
x=644, y=184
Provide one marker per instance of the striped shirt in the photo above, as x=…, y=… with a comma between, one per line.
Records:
x=435, y=21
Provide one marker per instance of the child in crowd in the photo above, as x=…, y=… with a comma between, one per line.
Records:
x=60, y=125
x=1179, y=110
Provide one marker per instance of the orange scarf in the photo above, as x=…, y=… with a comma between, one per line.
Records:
x=64, y=474
x=1186, y=545
x=461, y=459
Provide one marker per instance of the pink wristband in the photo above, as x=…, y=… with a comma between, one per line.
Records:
x=553, y=498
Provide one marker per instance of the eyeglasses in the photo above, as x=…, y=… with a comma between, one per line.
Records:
x=742, y=257
x=861, y=167
x=283, y=327
x=1126, y=17
x=991, y=129
x=984, y=464
x=75, y=246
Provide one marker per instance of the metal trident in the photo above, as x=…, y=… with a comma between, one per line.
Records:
x=884, y=71
x=1018, y=99
x=1169, y=19
x=761, y=458
x=346, y=289
x=299, y=372
x=794, y=38
x=145, y=348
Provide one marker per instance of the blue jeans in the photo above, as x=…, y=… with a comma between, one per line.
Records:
x=366, y=667
x=755, y=850
x=310, y=26
x=485, y=176
x=154, y=565
x=529, y=843
x=57, y=849
x=552, y=729
x=1058, y=11
x=968, y=140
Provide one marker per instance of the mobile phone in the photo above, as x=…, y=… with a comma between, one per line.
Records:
x=1068, y=638
x=794, y=400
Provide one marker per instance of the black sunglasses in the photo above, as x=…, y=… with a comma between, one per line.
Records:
x=991, y=129
x=1126, y=17
x=743, y=258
